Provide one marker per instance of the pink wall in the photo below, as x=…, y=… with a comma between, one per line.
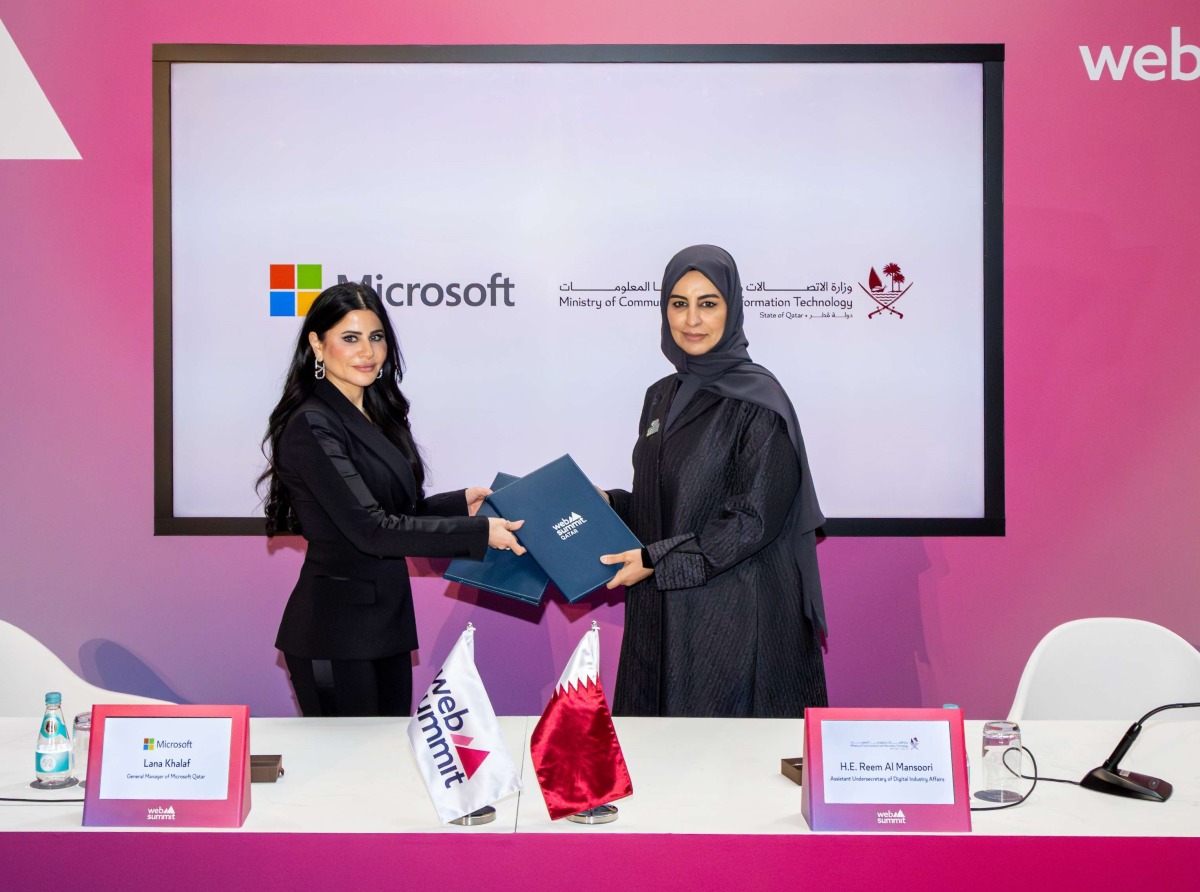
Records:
x=1102, y=213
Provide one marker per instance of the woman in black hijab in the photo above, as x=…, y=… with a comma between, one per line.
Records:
x=723, y=605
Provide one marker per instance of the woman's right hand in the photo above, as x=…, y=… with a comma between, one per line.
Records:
x=500, y=534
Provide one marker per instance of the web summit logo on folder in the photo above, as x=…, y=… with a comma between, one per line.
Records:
x=569, y=526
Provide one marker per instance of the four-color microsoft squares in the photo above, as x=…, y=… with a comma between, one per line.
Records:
x=294, y=287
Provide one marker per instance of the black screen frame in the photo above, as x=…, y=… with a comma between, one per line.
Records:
x=990, y=56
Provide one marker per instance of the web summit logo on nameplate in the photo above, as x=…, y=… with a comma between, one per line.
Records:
x=294, y=287
x=569, y=526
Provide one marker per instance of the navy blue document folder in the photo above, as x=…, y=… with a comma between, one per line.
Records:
x=568, y=525
x=501, y=572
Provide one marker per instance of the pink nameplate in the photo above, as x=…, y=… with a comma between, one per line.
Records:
x=168, y=766
x=885, y=770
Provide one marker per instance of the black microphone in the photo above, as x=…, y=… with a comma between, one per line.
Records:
x=1108, y=778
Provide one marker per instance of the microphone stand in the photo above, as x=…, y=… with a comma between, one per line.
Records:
x=1108, y=778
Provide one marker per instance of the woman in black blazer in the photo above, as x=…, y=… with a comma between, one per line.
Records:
x=343, y=470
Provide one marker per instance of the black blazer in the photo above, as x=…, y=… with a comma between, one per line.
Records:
x=356, y=498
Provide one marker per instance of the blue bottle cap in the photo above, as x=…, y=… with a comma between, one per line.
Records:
x=53, y=698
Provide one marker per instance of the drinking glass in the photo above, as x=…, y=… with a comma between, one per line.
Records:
x=79, y=745
x=1001, y=770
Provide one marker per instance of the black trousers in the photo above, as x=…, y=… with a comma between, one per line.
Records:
x=352, y=687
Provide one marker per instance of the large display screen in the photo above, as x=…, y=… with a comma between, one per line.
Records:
x=515, y=208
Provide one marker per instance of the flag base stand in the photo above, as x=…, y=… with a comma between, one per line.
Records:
x=485, y=815
x=601, y=814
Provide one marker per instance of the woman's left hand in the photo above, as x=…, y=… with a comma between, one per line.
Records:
x=632, y=573
x=475, y=497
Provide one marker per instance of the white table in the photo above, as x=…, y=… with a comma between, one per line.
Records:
x=722, y=776
x=324, y=788
x=709, y=803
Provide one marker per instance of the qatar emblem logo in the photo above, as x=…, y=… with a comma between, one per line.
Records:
x=886, y=296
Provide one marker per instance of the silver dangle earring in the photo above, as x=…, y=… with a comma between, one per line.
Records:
x=379, y=374
x=319, y=374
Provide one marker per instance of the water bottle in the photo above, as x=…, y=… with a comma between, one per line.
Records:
x=53, y=745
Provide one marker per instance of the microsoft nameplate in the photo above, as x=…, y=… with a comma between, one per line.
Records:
x=168, y=766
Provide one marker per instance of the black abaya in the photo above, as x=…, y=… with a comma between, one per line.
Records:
x=719, y=629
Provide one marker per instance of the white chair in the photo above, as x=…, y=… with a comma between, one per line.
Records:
x=28, y=669
x=1108, y=668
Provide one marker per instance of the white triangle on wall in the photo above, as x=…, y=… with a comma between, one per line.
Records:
x=29, y=127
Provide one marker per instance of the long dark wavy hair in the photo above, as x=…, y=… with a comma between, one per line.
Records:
x=383, y=401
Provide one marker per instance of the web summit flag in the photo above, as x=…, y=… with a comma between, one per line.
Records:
x=574, y=747
x=457, y=741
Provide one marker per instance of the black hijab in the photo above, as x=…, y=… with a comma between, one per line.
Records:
x=728, y=371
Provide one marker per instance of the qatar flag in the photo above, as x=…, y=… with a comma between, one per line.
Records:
x=574, y=747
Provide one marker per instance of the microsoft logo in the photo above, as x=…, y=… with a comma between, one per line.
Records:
x=147, y=743
x=294, y=287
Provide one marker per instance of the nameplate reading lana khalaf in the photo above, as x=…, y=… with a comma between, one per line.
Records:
x=568, y=525
x=514, y=575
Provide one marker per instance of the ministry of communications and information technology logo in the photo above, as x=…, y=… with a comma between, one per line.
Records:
x=885, y=296
x=294, y=287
